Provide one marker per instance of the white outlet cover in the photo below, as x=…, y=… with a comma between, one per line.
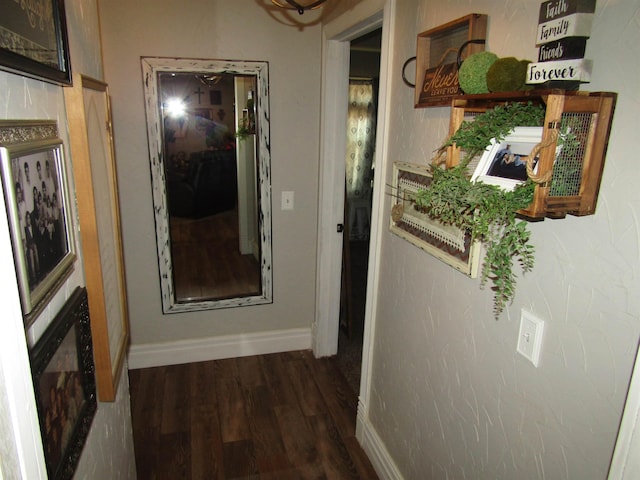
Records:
x=530, y=337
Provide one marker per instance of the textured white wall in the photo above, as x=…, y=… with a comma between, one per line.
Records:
x=217, y=29
x=84, y=37
x=108, y=452
x=20, y=443
x=450, y=396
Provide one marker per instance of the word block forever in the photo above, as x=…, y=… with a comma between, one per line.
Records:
x=577, y=70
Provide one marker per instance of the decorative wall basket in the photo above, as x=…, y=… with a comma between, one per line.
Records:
x=437, y=58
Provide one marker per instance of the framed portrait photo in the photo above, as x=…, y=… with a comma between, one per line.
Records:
x=33, y=40
x=64, y=385
x=37, y=200
x=504, y=163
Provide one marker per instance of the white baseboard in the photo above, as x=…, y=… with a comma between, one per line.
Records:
x=375, y=449
x=215, y=348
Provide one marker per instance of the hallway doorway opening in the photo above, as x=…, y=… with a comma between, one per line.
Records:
x=364, y=73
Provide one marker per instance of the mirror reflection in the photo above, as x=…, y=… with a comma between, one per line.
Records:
x=212, y=166
x=205, y=152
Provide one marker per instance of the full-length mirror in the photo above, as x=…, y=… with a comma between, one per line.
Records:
x=208, y=129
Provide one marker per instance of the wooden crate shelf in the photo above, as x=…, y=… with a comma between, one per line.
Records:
x=589, y=113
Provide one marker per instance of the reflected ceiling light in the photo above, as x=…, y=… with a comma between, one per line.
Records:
x=300, y=6
x=209, y=80
x=175, y=107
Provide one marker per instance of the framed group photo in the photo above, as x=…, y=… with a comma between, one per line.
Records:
x=33, y=40
x=64, y=385
x=37, y=200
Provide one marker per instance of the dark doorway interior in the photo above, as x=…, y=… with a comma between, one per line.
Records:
x=363, y=73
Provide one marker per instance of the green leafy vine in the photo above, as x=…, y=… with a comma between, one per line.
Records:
x=486, y=211
x=475, y=135
x=243, y=130
x=489, y=213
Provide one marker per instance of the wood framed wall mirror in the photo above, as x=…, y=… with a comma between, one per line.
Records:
x=209, y=149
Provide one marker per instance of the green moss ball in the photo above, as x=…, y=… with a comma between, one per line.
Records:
x=507, y=75
x=473, y=72
x=524, y=65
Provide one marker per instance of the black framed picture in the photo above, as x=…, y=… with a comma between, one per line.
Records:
x=64, y=384
x=37, y=198
x=33, y=40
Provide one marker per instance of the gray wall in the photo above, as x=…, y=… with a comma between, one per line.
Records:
x=218, y=30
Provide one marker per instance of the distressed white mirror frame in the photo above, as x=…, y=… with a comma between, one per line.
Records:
x=151, y=66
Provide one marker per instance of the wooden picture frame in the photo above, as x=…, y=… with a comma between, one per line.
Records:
x=445, y=242
x=35, y=43
x=35, y=188
x=203, y=119
x=437, y=52
x=64, y=386
x=94, y=168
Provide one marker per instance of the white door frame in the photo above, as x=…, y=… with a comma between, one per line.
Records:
x=625, y=464
x=331, y=195
x=335, y=90
x=335, y=67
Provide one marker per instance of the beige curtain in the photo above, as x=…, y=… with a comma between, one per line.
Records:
x=360, y=156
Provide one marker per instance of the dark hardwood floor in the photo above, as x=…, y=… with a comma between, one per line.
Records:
x=352, y=310
x=277, y=417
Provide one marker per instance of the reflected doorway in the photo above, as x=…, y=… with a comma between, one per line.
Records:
x=364, y=72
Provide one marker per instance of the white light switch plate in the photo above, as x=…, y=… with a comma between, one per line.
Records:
x=287, y=200
x=530, y=336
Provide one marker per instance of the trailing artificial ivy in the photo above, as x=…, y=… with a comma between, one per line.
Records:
x=489, y=213
x=243, y=131
x=486, y=211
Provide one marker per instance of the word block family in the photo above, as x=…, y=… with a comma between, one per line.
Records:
x=563, y=29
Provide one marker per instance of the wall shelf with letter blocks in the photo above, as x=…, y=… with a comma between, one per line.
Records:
x=563, y=29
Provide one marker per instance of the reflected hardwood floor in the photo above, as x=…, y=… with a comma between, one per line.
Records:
x=206, y=260
x=276, y=417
